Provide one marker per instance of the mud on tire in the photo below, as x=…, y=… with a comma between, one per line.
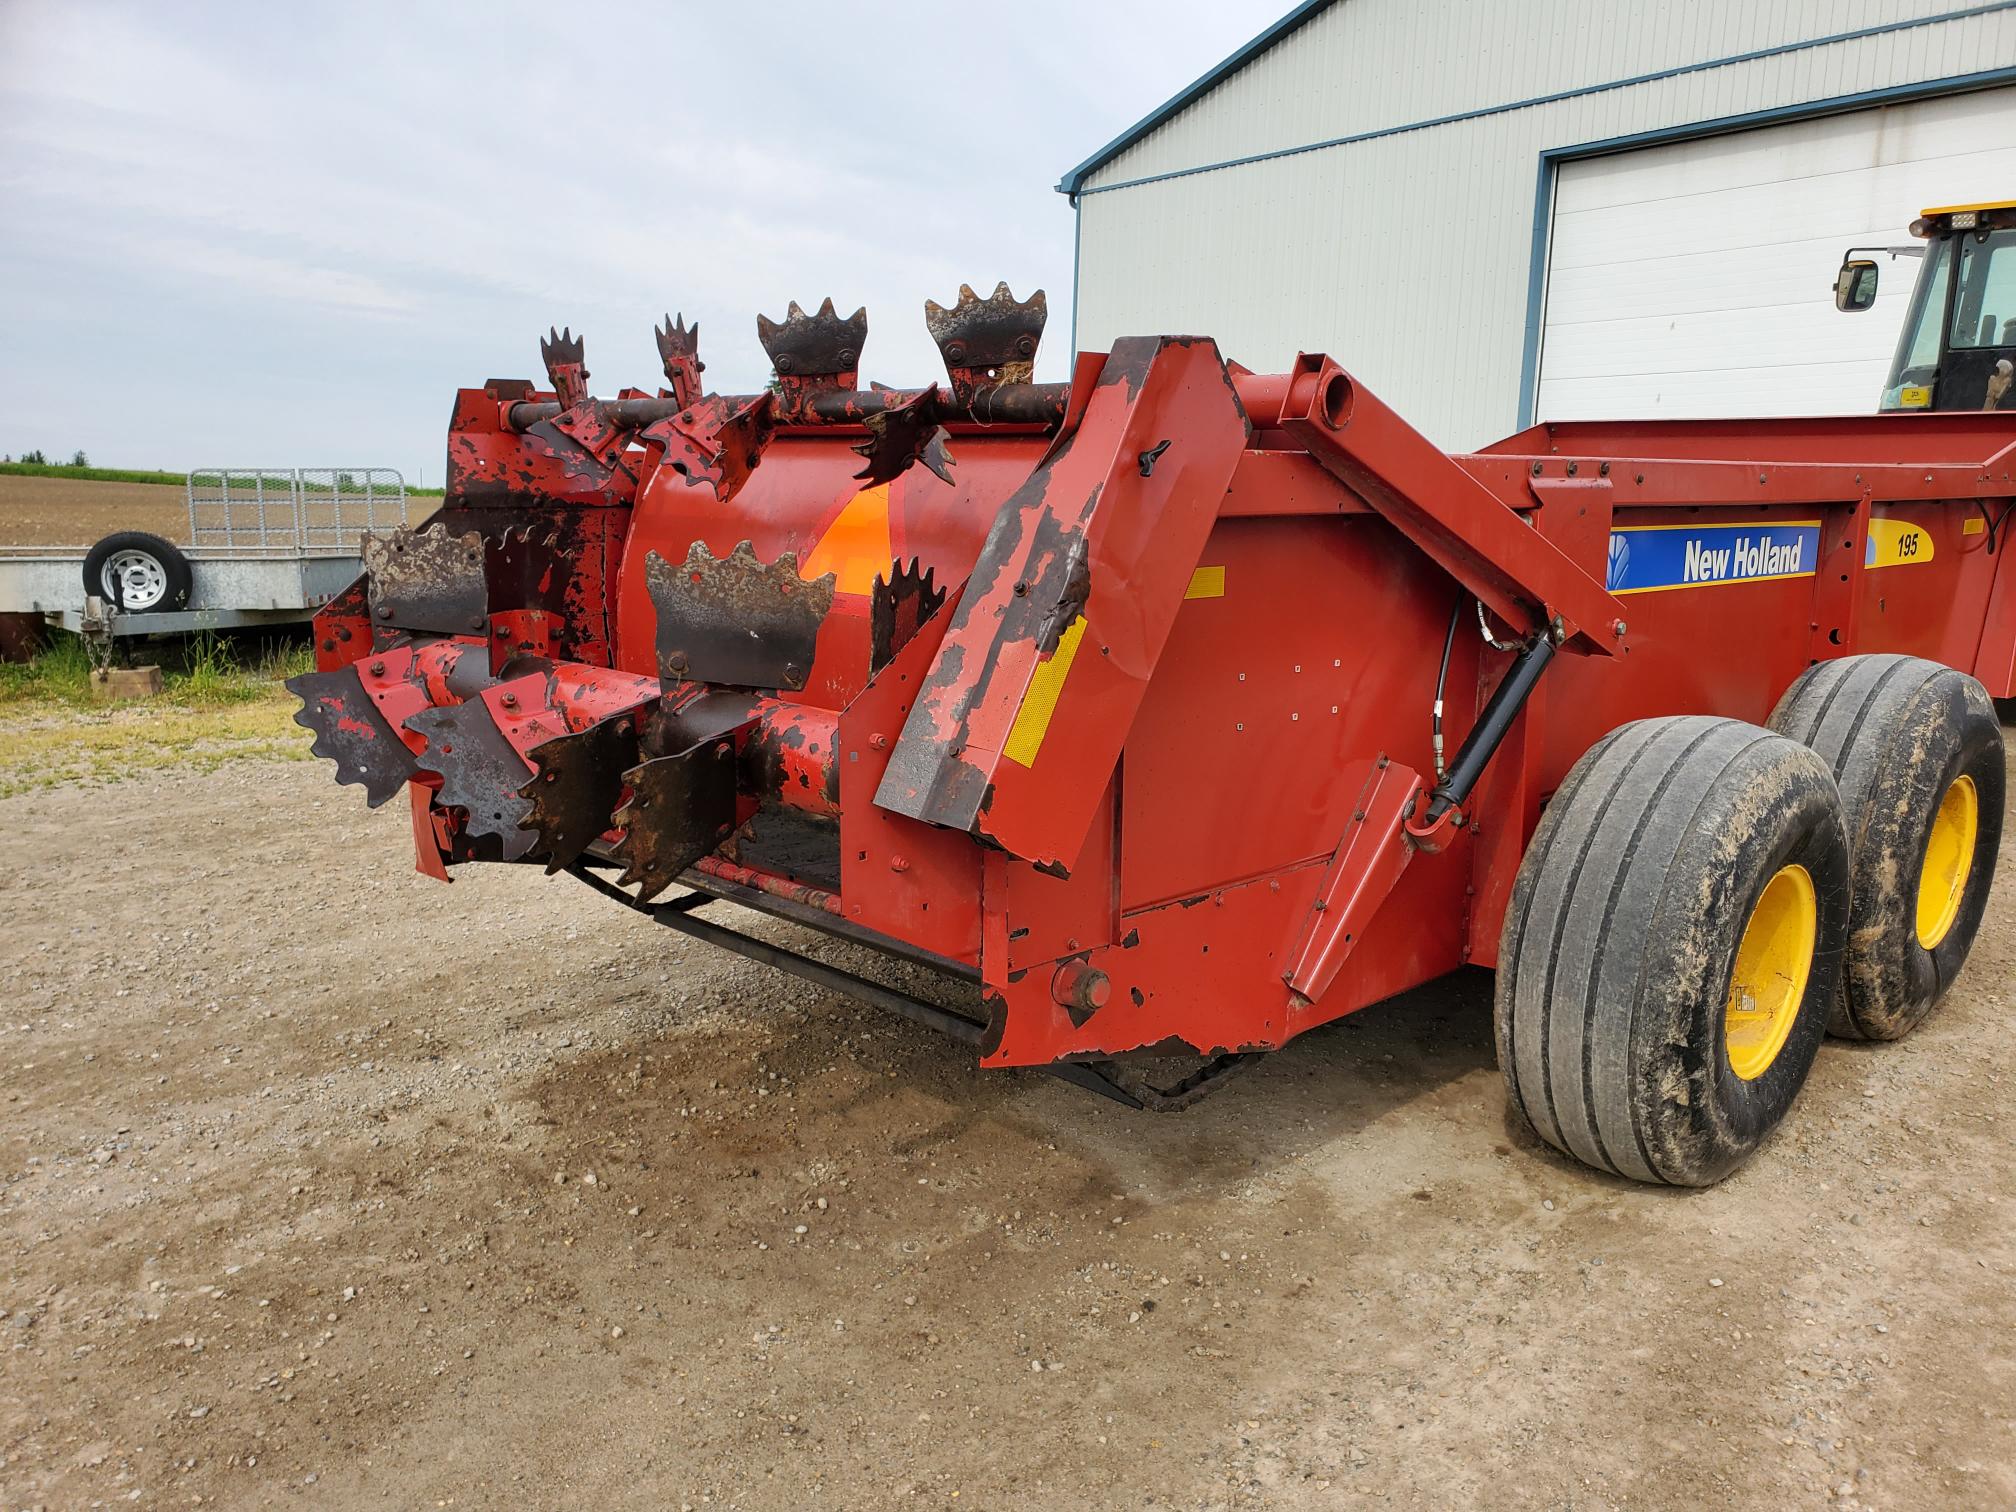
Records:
x=1622, y=940
x=1917, y=752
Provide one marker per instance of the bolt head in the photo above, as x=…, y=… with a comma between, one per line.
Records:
x=384, y=611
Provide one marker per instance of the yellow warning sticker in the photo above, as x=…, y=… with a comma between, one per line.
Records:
x=1032, y=720
x=1896, y=543
x=1206, y=582
x=1974, y=526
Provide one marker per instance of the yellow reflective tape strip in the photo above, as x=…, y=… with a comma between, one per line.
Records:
x=1206, y=582
x=1896, y=543
x=1974, y=526
x=1032, y=720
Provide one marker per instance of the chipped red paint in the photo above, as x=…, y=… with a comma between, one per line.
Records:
x=766, y=882
x=1206, y=834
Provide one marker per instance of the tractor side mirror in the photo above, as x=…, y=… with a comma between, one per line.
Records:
x=1855, y=285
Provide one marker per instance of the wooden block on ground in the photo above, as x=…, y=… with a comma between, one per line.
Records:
x=116, y=683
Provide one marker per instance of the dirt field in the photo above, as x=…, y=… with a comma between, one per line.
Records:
x=76, y=512
x=71, y=512
x=327, y=1185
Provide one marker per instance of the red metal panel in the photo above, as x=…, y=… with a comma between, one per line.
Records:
x=1051, y=915
x=1022, y=718
x=1315, y=643
x=1367, y=867
x=1201, y=976
x=901, y=878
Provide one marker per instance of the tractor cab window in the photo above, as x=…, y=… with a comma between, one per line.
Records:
x=1917, y=361
x=1985, y=313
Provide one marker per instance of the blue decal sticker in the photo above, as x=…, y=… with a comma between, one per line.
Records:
x=1649, y=558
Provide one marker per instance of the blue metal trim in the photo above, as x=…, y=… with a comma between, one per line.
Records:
x=1077, y=245
x=1552, y=157
x=1536, y=289
x=1287, y=26
x=1073, y=182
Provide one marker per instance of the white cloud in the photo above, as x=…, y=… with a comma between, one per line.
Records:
x=338, y=214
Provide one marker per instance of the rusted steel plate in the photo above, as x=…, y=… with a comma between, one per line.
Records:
x=679, y=352
x=480, y=772
x=1016, y=731
x=813, y=354
x=427, y=580
x=902, y=599
x=573, y=796
x=713, y=442
x=735, y=620
x=987, y=343
x=680, y=808
x=905, y=433
x=350, y=731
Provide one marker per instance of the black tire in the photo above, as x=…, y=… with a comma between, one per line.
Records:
x=160, y=588
x=1902, y=734
x=1620, y=946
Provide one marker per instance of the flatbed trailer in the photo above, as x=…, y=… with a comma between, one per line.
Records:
x=265, y=546
x=1177, y=710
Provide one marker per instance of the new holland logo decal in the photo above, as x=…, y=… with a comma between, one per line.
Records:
x=1653, y=558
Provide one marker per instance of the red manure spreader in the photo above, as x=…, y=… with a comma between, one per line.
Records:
x=1178, y=709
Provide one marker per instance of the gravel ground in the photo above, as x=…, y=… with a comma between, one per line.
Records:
x=328, y=1185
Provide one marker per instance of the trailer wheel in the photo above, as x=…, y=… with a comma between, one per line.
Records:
x=150, y=575
x=1917, y=751
x=1671, y=946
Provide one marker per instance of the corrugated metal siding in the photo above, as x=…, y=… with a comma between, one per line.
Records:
x=1366, y=65
x=1333, y=251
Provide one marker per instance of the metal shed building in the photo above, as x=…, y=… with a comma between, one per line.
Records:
x=1557, y=209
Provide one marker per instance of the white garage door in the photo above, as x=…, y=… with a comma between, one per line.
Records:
x=1696, y=278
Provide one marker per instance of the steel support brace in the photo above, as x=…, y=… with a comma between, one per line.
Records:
x=677, y=914
x=1522, y=577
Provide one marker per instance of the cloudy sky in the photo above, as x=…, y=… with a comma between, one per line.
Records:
x=277, y=234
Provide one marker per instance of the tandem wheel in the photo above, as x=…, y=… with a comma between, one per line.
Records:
x=1917, y=751
x=1671, y=947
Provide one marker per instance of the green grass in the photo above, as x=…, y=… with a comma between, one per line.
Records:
x=205, y=671
x=144, y=475
x=90, y=474
x=222, y=702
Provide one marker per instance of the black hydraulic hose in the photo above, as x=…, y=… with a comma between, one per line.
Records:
x=1506, y=700
x=1442, y=682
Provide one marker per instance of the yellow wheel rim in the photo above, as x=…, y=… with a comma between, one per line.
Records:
x=1949, y=859
x=1772, y=964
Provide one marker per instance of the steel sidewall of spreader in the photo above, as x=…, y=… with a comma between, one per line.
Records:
x=1900, y=732
x=1621, y=941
